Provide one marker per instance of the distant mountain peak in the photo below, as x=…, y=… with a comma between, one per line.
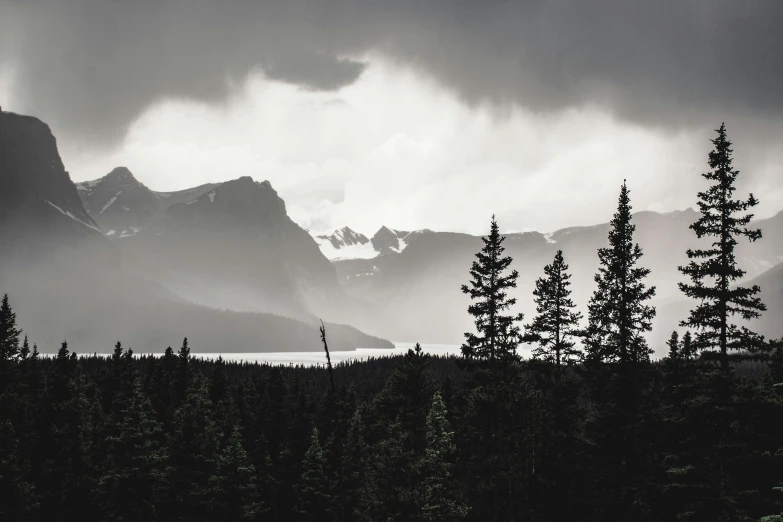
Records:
x=247, y=191
x=389, y=241
x=343, y=237
x=345, y=243
x=123, y=206
x=120, y=173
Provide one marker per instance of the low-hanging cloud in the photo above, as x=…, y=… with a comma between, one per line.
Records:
x=90, y=67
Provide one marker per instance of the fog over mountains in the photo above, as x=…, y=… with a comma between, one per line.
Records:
x=71, y=281
x=225, y=265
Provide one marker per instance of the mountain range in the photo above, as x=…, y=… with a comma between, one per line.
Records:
x=225, y=263
x=345, y=243
x=71, y=281
x=417, y=291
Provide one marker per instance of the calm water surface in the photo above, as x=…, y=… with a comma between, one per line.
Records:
x=316, y=358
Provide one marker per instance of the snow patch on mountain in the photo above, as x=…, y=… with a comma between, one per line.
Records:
x=66, y=213
x=111, y=201
x=365, y=251
x=133, y=231
x=345, y=243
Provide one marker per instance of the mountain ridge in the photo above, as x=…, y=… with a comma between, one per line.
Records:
x=69, y=281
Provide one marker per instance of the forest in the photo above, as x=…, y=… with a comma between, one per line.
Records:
x=591, y=427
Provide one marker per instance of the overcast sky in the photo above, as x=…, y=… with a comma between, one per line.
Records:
x=411, y=114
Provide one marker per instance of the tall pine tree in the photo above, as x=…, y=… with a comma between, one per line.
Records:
x=556, y=324
x=713, y=271
x=618, y=311
x=497, y=334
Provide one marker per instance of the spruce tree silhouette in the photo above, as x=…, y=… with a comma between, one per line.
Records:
x=9, y=333
x=497, y=334
x=618, y=313
x=556, y=322
x=713, y=271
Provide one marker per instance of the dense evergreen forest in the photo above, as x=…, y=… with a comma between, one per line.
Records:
x=589, y=428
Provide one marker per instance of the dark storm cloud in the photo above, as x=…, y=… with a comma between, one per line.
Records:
x=91, y=66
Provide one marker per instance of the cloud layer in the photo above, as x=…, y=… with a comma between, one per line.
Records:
x=91, y=67
x=395, y=149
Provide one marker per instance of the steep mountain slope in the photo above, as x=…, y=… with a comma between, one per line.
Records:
x=68, y=281
x=38, y=202
x=235, y=247
x=122, y=206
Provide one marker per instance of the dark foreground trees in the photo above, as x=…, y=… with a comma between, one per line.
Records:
x=413, y=438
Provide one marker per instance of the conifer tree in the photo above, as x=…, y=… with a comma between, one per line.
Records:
x=440, y=500
x=161, y=384
x=618, y=311
x=556, y=324
x=497, y=336
x=687, y=347
x=9, y=333
x=131, y=485
x=120, y=383
x=406, y=398
x=314, y=501
x=713, y=271
x=235, y=482
x=674, y=346
x=676, y=361
x=182, y=381
x=24, y=352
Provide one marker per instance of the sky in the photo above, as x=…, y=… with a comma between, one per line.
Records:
x=409, y=114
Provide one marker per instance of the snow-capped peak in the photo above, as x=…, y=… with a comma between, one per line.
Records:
x=345, y=243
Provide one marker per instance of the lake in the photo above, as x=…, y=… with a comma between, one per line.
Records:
x=319, y=358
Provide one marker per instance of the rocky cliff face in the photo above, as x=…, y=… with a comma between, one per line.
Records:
x=40, y=210
x=235, y=247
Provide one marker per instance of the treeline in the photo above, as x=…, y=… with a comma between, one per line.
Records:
x=588, y=429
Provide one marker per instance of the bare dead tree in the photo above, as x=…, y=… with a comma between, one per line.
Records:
x=328, y=359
